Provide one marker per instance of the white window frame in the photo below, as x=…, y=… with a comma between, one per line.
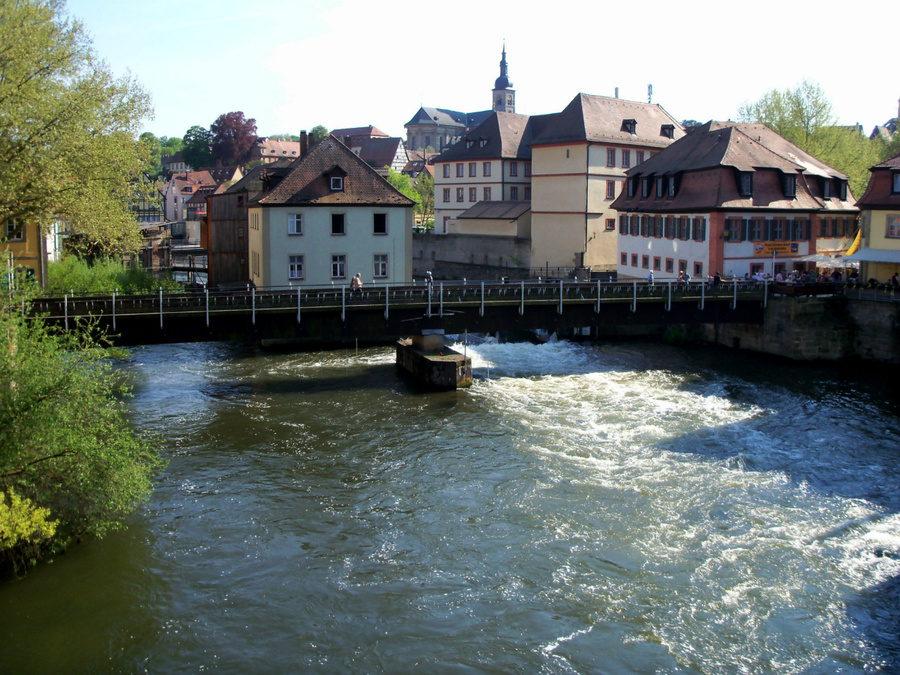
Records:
x=295, y=224
x=338, y=266
x=295, y=267
x=14, y=224
x=337, y=183
x=380, y=265
x=892, y=227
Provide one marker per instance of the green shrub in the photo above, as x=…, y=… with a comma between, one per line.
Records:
x=104, y=276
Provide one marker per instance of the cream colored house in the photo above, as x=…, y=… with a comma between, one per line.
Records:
x=331, y=217
x=578, y=165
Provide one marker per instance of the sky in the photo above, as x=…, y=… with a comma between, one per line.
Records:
x=295, y=64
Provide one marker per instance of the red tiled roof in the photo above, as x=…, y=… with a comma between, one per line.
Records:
x=308, y=183
x=879, y=192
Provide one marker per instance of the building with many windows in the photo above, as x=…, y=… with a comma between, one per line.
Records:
x=578, y=163
x=331, y=216
x=491, y=163
x=879, y=253
x=733, y=199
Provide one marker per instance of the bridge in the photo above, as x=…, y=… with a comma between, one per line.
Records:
x=384, y=313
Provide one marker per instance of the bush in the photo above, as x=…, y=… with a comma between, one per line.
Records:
x=104, y=276
x=70, y=465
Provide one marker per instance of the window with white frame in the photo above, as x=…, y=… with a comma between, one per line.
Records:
x=459, y=170
x=380, y=269
x=473, y=194
x=610, y=189
x=295, y=223
x=339, y=266
x=638, y=157
x=527, y=169
x=514, y=193
x=337, y=183
x=626, y=159
x=460, y=193
x=487, y=194
x=486, y=169
x=446, y=194
x=893, y=227
x=473, y=167
x=15, y=230
x=295, y=267
x=446, y=171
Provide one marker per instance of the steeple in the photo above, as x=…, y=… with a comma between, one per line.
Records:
x=504, y=96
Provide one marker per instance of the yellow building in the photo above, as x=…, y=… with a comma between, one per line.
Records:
x=24, y=252
x=578, y=168
x=879, y=251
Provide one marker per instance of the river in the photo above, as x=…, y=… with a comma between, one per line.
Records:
x=583, y=508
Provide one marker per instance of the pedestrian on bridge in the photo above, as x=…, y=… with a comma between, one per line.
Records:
x=356, y=284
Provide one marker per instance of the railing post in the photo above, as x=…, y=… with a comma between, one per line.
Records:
x=765, y=293
x=298, y=304
x=481, y=309
x=428, y=291
x=343, y=304
x=114, y=309
x=66, y=309
x=560, y=310
x=634, y=296
x=522, y=300
x=597, y=311
x=734, y=304
x=702, y=295
x=206, y=294
x=160, y=309
x=441, y=305
x=669, y=303
x=253, y=305
x=387, y=300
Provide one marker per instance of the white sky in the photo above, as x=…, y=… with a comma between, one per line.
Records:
x=293, y=64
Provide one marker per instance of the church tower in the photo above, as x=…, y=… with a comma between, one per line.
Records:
x=504, y=96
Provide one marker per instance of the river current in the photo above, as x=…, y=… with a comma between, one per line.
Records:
x=583, y=508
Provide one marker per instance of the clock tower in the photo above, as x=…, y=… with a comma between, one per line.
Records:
x=504, y=96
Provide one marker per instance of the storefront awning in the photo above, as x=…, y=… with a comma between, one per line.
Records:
x=875, y=255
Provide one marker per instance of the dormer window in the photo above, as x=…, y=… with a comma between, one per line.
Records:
x=482, y=142
x=667, y=130
x=671, y=186
x=469, y=143
x=745, y=183
x=790, y=186
x=645, y=188
x=337, y=183
x=895, y=183
x=842, y=190
x=631, y=184
x=660, y=185
x=826, y=188
x=629, y=126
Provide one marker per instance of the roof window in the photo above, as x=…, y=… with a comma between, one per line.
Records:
x=629, y=126
x=667, y=130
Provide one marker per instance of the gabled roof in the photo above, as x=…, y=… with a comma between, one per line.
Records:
x=502, y=135
x=268, y=147
x=223, y=174
x=380, y=152
x=307, y=182
x=254, y=180
x=359, y=132
x=440, y=116
x=591, y=118
x=892, y=163
x=496, y=210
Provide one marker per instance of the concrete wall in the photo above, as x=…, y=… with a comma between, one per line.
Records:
x=470, y=256
x=807, y=329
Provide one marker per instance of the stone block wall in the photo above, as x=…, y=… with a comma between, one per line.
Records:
x=807, y=329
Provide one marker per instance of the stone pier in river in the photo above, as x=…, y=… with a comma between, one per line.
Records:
x=426, y=359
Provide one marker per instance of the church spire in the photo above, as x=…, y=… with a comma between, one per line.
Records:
x=504, y=96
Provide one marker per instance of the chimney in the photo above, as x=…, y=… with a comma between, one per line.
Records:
x=304, y=143
x=617, y=92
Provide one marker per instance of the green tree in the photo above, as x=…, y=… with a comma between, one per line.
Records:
x=425, y=191
x=318, y=133
x=403, y=183
x=68, y=139
x=804, y=116
x=197, y=147
x=154, y=150
x=70, y=465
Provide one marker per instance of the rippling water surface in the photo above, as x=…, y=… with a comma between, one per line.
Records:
x=581, y=509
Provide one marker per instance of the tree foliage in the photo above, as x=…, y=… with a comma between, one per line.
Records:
x=232, y=136
x=196, y=149
x=805, y=117
x=70, y=465
x=403, y=183
x=425, y=191
x=317, y=133
x=68, y=139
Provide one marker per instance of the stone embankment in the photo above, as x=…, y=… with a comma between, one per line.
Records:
x=818, y=328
